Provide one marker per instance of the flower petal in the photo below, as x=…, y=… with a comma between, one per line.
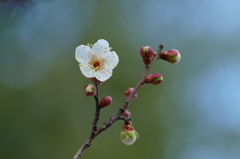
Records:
x=104, y=74
x=127, y=140
x=81, y=53
x=103, y=42
x=112, y=60
x=87, y=71
x=101, y=47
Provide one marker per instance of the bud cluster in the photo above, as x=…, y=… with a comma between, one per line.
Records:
x=148, y=55
x=91, y=90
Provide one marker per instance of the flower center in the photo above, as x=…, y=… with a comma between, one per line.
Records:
x=96, y=64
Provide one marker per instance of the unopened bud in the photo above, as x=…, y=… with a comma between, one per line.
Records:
x=148, y=79
x=129, y=91
x=129, y=135
x=127, y=113
x=172, y=56
x=90, y=90
x=155, y=79
x=106, y=101
x=147, y=54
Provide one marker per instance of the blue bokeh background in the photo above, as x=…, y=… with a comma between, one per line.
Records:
x=195, y=113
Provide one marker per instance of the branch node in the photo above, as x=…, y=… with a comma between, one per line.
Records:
x=123, y=107
x=104, y=127
x=124, y=118
x=88, y=144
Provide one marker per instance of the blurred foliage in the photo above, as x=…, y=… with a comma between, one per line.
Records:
x=193, y=114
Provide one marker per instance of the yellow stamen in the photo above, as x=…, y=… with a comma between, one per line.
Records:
x=89, y=44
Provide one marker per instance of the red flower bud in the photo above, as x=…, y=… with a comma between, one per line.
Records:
x=172, y=56
x=90, y=90
x=155, y=79
x=147, y=54
x=129, y=91
x=106, y=101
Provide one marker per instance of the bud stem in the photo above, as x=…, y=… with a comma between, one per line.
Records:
x=98, y=108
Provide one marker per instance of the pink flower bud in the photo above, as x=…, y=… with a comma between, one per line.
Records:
x=90, y=90
x=129, y=91
x=155, y=79
x=106, y=101
x=127, y=113
x=172, y=56
x=147, y=54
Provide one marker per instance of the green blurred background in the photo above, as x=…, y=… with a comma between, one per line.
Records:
x=195, y=113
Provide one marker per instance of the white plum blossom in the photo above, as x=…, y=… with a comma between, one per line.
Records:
x=97, y=61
